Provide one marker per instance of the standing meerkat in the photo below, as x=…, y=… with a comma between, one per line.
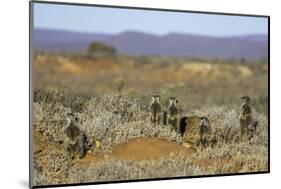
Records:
x=155, y=109
x=75, y=139
x=204, y=129
x=173, y=113
x=245, y=118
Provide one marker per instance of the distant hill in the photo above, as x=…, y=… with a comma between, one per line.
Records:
x=173, y=44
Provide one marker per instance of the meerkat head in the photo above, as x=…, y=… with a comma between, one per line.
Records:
x=173, y=101
x=246, y=100
x=70, y=117
x=156, y=98
x=203, y=120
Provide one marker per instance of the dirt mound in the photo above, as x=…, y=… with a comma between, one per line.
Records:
x=216, y=71
x=147, y=148
x=140, y=149
x=152, y=148
x=67, y=66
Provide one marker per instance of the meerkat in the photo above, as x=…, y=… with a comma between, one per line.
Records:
x=155, y=109
x=182, y=125
x=204, y=129
x=248, y=125
x=75, y=139
x=173, y=113
x=245, y=118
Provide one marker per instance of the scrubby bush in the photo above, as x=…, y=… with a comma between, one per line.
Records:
x=172, y=166
x=116, y=170
x=229, y=154
x=98, y=49
x=225, y=124
x=54, y=96
x=113, y=119
x=119, y=84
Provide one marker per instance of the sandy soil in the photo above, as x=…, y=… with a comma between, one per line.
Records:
x=140, y=149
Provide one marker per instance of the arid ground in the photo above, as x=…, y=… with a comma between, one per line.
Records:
x=111, y=97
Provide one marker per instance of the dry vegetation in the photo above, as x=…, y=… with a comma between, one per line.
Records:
x=203, y=82
x=110, y=98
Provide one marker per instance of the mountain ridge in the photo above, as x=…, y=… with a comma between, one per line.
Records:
x=172, y=44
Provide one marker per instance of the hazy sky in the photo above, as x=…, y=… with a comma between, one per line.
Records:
x=112, y=20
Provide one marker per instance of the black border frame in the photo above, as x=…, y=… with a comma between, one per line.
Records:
x=31, y=49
